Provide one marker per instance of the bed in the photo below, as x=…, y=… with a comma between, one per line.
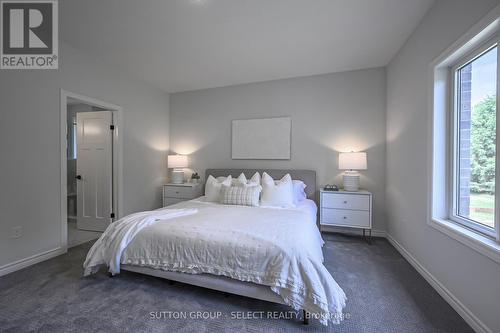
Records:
x=248, y=250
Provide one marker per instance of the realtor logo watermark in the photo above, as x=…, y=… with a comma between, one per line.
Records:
x=29, y=35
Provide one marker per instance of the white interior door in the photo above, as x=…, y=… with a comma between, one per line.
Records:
x=94, y=170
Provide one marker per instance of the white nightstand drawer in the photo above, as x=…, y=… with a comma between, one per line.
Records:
x=345, y=201
x=341, y=217
x=185, y=192
x=171, y=201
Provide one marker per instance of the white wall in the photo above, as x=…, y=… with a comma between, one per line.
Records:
x=471, y=277
x=30, y=147
x=330, y=113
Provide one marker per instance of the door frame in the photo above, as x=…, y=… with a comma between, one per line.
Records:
x=117, y=156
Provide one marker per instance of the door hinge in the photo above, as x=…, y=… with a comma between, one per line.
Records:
x=112, y=215
x=111, y=127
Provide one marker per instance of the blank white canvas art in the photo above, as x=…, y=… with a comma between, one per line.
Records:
x=262, y=139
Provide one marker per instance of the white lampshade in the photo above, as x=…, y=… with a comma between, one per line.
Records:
x=352, y=161
x=177, y=161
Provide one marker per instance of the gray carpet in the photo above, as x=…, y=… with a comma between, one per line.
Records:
x=385, y=294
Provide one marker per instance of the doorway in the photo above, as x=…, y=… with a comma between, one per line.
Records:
x=92, y=163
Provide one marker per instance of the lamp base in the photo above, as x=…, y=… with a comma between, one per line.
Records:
x=177, y=177
x=351, y=181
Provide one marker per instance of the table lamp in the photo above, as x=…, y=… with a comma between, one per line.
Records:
x=177, y=163
x=351, y=162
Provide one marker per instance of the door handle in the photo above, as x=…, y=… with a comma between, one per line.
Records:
x=79, y=177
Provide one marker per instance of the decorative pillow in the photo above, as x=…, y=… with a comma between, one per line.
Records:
x=255, y=179
x=213, y=188
x=242, y=180
x=298, y=191
x=240, y=195
x=279, y=193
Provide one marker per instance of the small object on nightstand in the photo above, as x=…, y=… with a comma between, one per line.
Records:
x=334, y=188
x=175, y=193
x=195, y=178
x=346, y=209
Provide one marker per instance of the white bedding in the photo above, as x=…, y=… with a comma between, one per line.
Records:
x=108, y=249
x=276, y=247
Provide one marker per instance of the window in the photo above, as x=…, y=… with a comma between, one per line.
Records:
x=464, y=156
x=474, y=141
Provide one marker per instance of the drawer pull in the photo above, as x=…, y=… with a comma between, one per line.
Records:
x=345, y=202
x=176, y=192
x=345, y=217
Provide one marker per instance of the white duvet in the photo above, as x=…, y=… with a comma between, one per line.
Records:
x=279, y=248
x=108, y=249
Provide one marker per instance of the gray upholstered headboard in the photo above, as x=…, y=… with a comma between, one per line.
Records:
x=307, y=176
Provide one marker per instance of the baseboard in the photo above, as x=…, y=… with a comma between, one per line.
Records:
x=20, y=264
x=471, y=319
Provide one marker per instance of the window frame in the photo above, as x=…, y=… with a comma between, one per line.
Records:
x=453, y=174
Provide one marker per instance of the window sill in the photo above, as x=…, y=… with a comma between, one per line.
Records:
x=477, y=242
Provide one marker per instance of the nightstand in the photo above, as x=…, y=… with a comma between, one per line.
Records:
x=175, y=193
x=346, y=209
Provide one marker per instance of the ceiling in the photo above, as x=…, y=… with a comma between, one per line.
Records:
x=180, y=45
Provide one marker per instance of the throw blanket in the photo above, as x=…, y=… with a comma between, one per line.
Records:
x=109, y=247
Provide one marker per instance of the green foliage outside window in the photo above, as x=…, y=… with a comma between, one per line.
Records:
x=483, y=143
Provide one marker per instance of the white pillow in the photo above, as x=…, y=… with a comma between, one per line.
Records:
x=255, y=180
x=242, y=180
x=213, y=188
x=240, y=195
x=277, y=194
x=298, y=191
